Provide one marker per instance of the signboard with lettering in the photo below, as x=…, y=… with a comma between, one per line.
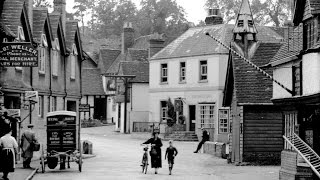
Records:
x=18, y=54
x=61, y=133
x=84, y=108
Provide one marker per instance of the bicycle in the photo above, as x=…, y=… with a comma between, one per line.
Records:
x=145, y=163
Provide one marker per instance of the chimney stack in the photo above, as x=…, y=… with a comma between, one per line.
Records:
x=29, y=7
x=60, y=7
x=214, y=17
x=156, y=44
x=127, y=36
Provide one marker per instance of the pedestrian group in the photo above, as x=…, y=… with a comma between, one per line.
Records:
x=9, y=146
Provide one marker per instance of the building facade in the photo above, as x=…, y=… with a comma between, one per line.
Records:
x=57, y=79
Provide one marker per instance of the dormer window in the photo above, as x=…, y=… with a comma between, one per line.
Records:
x=21, y=36
x=250, y=23
x=55, y=57
x=43, y=54
x=240, y=23
x=73, y=57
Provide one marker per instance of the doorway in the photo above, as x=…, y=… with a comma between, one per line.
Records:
x=119, y=115
x=192, y=116
x=72, y=106
x=100, y=108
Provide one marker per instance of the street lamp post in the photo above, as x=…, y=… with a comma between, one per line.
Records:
x=126, y=80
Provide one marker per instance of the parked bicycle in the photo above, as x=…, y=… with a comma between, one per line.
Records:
x=144, y=162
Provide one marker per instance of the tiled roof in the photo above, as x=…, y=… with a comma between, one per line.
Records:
x=92, y=82
x=11, y=14
x=54, y=21
x=138, y=54
x=5, y=30
x=71, y=28
x=194, y=42
x=137, y=68
x=315, y=6
x=107, y=58
x=143, y=41
x=40, y=15
x=251, y=86
x=291, y=47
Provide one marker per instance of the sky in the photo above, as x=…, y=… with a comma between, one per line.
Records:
x=194, y=8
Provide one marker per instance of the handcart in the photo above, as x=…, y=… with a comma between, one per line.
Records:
x=63, y=141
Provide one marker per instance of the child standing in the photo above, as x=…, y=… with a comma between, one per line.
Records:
x=171, y=153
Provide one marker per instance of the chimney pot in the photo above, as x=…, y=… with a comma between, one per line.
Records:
x=127, y=36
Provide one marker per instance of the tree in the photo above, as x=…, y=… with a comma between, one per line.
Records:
x=41, y=3
x=273, y=12
x=83, y=8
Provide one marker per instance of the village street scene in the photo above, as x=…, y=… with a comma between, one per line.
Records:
x=160, y=89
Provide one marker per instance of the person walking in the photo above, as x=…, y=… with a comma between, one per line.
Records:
x=28, y=138
x=205, y=137
x=171, y=153
x=7, y=154
x=155, y=152
x=5, y=125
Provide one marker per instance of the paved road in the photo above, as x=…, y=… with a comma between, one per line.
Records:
x=118, y=157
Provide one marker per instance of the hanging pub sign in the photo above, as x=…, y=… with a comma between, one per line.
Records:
x=18, y=54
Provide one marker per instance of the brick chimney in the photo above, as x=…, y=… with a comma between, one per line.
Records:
x=156, y=44
x=29, y=7
x=214, y=17
x=127, y=36
x=288, y=31
x=60, y=7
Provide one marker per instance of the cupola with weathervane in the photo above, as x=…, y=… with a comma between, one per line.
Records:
x=245, y=24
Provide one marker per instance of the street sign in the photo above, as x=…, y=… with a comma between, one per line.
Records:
x=31, y=95
x=18, y=54
x=13, y=112
x=84, y=108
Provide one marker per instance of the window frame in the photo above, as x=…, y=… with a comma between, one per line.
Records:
x=201, y=73
x=54, y=103
x=43, y=54
x=207, y=115
x=225, y=123
x=163, y=111
x=164, y=73
x=297, y=66
x=55, y=58
x=183, y=72
x=73, y=58
x=41, y=106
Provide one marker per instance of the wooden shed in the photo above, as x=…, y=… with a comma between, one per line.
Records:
x=256, y=125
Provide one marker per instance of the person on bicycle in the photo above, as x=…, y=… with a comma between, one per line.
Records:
x=171, y=153
x=155, y=152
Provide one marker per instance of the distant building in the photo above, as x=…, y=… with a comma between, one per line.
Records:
x=193, y=68
x=132, y=59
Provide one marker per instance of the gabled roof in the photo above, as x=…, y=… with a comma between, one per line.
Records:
x=12, y=13
x=290, y=48
x=138, y=68
x=41, y=23
x=57, y=30
x=5, y=30
x=194, y=42
x=92, y=82
x=73, y=36
x=143, y=41
x=245, y=15
x=250, y=85
x=107, y=58
x=313, y=8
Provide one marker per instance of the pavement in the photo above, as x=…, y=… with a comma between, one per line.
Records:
x=118, y=157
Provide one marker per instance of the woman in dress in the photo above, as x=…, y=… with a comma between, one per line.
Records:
x=155, y=152
x=7, y=155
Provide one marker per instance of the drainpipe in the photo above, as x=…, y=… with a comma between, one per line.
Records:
x=50, y=80
x=65, y=81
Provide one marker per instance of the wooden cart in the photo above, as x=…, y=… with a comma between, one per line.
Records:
x=63, y=141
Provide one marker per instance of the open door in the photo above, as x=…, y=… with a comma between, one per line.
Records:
x=192, y=116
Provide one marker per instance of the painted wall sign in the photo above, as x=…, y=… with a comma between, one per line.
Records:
x=18, y=54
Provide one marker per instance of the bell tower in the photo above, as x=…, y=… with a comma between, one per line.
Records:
x=245, y=29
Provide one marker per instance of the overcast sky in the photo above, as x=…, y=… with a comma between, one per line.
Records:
x=194, y=8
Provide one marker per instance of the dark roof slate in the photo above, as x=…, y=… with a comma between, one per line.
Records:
x=71, y=28
x=107, y=58
x=138, y=54
x=54, y=20
x=137, y=68
x=40, y=15
x=11, y=14
x=92, y=82
x=5, y=30
x=194, y=42
x=251, y=86
x=315, y=6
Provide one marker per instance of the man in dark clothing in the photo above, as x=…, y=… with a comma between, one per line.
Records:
x=205, y=137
